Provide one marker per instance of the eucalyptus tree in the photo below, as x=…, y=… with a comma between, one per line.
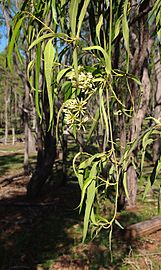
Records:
x=10, y=97
x=157, y=99
x=106, y=65
x=20, y=59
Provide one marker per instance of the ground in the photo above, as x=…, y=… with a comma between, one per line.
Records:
x=46, y=233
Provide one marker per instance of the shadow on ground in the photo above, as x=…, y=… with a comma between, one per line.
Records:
x=36, y=232
x=48, y=232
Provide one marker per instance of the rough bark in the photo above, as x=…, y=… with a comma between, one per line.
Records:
x=43, y=171
x=26, y=129
x=141, y=48
x=46, y=149
x=136, y=128
x=6, y=115
x=157, y=110
x=32, y=141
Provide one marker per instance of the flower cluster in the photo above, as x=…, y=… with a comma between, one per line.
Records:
x=84, y=81
x=75, y=111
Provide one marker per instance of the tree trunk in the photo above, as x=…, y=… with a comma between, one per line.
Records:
x=45, y=160
x=65, y=149
x=6, y=116
x=46, y=154
x=157, y=110
x=32, y=142
x=136, y=128
x=26, y=129
x=13, y=135
x=141, y=47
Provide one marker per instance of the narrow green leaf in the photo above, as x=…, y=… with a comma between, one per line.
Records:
x=62, y=73
x=47, y=36
x=82, y=15
x=145, y=138
x=84, y=189
x=125, y=184
x=98, y=27
x=118, y=224
x=105, y=55
x=37, y=75
x=80, y=177
x=74, y=162
x=125, y=27
x=40, y=39
x=89, y=202
x=74, y=130
x=93, y=218
x=142, y=161
x=103, y=111
x=117, y=28
x=155, y=171
x=20, y=58
x=67, y=89
x=154, y=119
x=63, y=2
x=54, y=13
x=29, y=68
x=93, y=127
x=149, y=141
x=14, y=37
x=48, y=67
x=125, y=31
x=73, y=10
x=147, y=188
x=134, y=78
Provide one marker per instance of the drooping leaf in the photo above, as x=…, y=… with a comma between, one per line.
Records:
x=89, y=203
x=14, y=37
x=105, y=55
x=125, y=184
x=93, y=127
x=86, y=183
x=93, y=217
x=98, y=27
x=54, y=13
x=155, y=171
x=48, y=68
x=73, y=10
x=125, y=30
x=118, y=224
x=117, y=28
x=37, y=75
x=90, y=198
x=45, y=36
x=62, y=73
x=82, y=15
x=147, y=188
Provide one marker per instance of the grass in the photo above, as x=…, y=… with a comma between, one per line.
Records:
x=10, y=163
x=11, y=158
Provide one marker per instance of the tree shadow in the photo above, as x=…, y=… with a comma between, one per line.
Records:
x=49, y=230
x=36, y=232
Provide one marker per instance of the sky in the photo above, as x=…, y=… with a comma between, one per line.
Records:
x=3, y=39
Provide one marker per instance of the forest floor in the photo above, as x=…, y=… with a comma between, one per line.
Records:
x=46, y=233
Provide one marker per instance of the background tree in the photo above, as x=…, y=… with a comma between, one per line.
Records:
x=11, y=99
